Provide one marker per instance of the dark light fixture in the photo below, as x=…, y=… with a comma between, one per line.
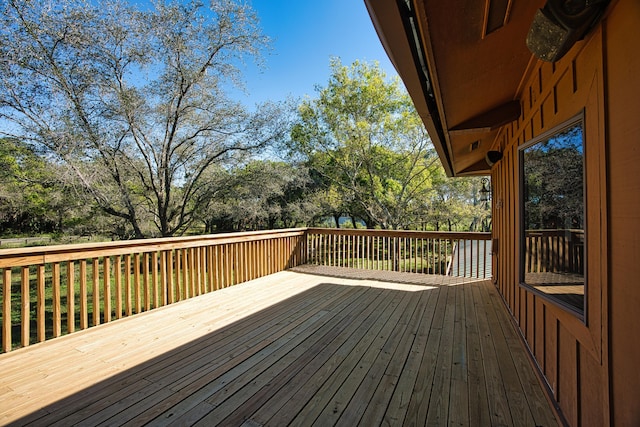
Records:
x=559, y=24
x=492, y=157
x=485, y=193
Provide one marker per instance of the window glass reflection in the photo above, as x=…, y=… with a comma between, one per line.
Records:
x=554, y=252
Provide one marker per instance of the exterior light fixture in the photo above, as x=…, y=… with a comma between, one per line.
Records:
x=493, y=157
x=485, y=193
x=559, y=24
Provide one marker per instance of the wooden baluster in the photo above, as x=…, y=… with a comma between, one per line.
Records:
x=171, y=260
x=145, y=282
x=6, y=309
x=227, y=264
x=55, y=295
x=193, y=285
x=443, y=259
x=176, y=277
x=266, y=256
x=233, y=263
x=273, y=256
x=239, y=256
x=96, y=291
x=164, y=279
x=84, y=313
x=186, y=283
x=422, y=266
x=368, y=254
x=255, y=257
x=210, y=269
x=118, y=279
x=220, y=267
x=215, y=266
x=106, y=285
x=71, y=297
x=247, y=260
x=177, y=274
x=326, y=242
x=154, y=279
x=127, y=285
x=26, y=308
x=406, y=254
x=477, y=257
x=252, y=260
x=434, y=258
x=487, y=256
x=203, y=270
x=40, y=303
x=136, y=282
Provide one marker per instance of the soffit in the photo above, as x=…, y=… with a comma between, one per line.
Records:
x=476, y=56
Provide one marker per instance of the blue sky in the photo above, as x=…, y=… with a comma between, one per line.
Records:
x=305, y=35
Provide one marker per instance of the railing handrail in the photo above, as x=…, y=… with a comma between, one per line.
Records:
x=464, y=254
x=470, y=235
x=59, y=289
x=17, y=257
x=86, y=284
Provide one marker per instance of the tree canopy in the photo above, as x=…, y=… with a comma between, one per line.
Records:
x=364, y=139
x=116, y=117
x=133, y=100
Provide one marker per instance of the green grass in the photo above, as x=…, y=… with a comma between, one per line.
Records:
x=413, y=265
x=12, y=242
x=16, y=297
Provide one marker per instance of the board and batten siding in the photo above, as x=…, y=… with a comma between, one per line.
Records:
x=572, y=354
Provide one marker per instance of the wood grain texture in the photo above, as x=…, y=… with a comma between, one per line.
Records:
x=318, y=345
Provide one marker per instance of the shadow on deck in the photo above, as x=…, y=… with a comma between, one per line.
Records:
x=336, y=347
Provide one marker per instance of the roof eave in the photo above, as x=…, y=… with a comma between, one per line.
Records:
x=399, y=34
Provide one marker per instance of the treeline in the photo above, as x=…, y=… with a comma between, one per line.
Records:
x=115, y=120
x=39, y=195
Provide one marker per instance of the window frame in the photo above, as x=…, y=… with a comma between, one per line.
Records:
x=565, y=306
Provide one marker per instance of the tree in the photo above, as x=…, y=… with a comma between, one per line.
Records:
x=133, y=100
x=456, y=206
x=555, y=200
x=363, y=136
x=262, y=195
x=30, y=201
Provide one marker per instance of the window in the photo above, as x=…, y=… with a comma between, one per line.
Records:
x=552, y=223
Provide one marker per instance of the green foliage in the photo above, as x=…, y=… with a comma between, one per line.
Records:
x=30, y=199
x=554, y=200
x=261, y=195
x=367, y=146
x=117, y=123
x=132, y=99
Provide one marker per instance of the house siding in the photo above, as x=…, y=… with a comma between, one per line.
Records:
x=590, y=365
x=622, y=59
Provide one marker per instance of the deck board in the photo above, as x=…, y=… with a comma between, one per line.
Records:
x=315, y=346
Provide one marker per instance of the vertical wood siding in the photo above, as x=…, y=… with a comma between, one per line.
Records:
x=568, y=351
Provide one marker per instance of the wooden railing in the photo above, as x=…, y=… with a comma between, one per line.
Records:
x=445, y=253
x=56, y=290
x=554, y=251
x=51, y=291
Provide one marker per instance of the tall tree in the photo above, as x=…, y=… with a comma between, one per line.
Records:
x=262, y=194
x=133, y=100
x=363, y=135
x=28, y=199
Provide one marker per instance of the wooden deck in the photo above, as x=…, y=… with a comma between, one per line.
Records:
x=293, y=348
